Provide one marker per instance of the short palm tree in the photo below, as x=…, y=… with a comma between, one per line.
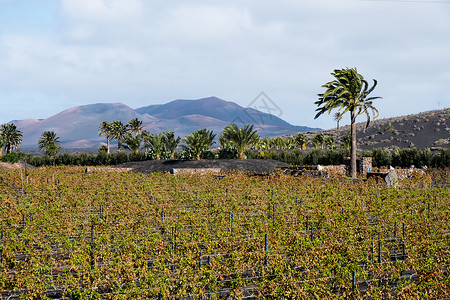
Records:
x=10, y=137
x=279, y=143
x=329, y=142
x=291, y=143
x=134, y=126
x=132, y=143
x=199, y=141
x=224, y=143
x=301, y=140
x=318, y=141
x=155, y=143
x=171, y=142
x=346, y=142
x=118, y=131
x=240, y=138
x=49, y=142
x=106, y=130
x=265, y=143
x=348, y=93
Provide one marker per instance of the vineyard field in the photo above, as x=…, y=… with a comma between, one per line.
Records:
x=68, y=234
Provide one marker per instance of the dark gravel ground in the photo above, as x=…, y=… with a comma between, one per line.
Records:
x=248, y=165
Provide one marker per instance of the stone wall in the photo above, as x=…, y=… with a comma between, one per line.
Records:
x=201, y=171
x=404, y=173
x=338, y=170
x=107, y=169
x=364, y=165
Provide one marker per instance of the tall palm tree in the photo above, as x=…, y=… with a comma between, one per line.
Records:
x=10, y=137
x=348, y=93
x=118, y=131
x=1, y=143
x=145, y=135
x=49, y=142
x=135, y=126
x=199, y=141
x=241, y=138
x=106, y=130
x=337, y=117
x=171, y=142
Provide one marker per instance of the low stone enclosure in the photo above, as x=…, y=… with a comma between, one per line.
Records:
x=364, y=168
x=262, y=167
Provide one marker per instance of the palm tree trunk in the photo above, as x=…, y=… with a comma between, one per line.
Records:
x=353, y=147
x=107, y=146
x=241, y=155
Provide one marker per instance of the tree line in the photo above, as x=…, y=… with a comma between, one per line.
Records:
x=234, y=142
x=11, y=139
x=132, y=137
x=381, y=158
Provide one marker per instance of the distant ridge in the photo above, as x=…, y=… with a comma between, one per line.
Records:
x=78, y=126
x=424, y=130
x=212, y=107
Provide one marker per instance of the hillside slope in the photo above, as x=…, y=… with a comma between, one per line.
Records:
x=424, y=130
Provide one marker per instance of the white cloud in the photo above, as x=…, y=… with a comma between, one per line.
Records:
x=101, y=21
x=203, y=21
x=41, y=64
x=144, y=51
x=102, y=10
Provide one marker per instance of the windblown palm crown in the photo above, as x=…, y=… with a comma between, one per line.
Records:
x=348, y=93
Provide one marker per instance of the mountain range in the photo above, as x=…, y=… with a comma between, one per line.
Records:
x=78, y=127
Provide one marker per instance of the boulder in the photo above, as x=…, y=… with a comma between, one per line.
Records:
x=392, y=179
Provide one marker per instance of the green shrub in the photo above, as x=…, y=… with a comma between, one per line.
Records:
x=228, y=152
x=381, y=157
x=13, y=157
x=441, y=160
x=103, y=150
x=268, y=154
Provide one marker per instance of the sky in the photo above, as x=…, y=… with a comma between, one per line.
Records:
x=57, y=54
